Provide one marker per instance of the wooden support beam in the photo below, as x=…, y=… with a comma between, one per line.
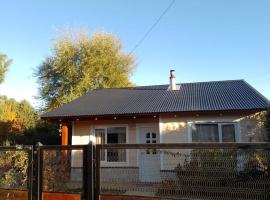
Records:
x=64, y=134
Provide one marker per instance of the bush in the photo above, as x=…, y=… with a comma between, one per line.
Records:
x=267, y=123
x=13, y=169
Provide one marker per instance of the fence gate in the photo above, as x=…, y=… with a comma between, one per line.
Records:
x=64, y=172
x=16, y=173
x=46, y=172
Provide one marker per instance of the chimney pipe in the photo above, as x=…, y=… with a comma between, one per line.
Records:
x=172, y=80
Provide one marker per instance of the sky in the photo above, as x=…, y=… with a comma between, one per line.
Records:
x=201, y=40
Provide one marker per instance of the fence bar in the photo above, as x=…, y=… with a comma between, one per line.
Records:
x=30, y=152
x=97, y=172
x=88, y=172
x=35, y=174
x=62, y=147
x=259, y=145
x=40, y=172
x=14, y=148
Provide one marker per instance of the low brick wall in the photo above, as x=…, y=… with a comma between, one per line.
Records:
x=61, y=196
x=23, y=195
x=13, y=194
x=110, y=174
x=113, y=197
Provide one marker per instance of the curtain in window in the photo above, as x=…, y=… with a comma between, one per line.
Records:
x=228, y=133
x=116, y=135
x=100, y=139
x=205, y=133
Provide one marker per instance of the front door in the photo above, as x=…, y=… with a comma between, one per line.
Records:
x=149, y=159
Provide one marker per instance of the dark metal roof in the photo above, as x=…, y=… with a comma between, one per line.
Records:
x=201, y=96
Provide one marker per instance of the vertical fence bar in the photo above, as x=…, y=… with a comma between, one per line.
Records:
x=35, y=174
x=30, y=152
x=88, y=172
x=97, y=172
x=40, y=172
x=91, y=171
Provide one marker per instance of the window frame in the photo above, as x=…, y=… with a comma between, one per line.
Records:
x=219, y=123
x=106, y=127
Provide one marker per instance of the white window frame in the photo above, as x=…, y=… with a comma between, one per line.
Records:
x=105, y=127
x=219, y=123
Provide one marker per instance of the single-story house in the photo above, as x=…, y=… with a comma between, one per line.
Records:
x=216, y=111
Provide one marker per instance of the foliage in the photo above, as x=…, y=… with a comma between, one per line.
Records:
x=80, y=63
x=13, y=169
x=20, y=124
x=205, y=171
x=267, y=123
x=15, y=117
x=44, y=132
x=4, y=64
x=57, y=172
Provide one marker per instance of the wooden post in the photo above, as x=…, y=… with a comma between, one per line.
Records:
x=64, y=134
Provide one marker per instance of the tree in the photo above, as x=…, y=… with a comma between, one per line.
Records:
x=80, y=63
x=267, y=123
x=15, y=118
x=4, y=64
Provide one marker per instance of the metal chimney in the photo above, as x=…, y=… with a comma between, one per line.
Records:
x=172, y=80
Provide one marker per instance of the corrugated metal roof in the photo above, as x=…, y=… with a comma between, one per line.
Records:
x=201, y=96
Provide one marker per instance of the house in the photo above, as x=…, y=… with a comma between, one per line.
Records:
x=216, y=111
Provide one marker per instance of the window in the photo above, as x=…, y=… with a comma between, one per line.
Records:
x=213, y=132
x=228, y=132
x=112, y=135
x=100, y=139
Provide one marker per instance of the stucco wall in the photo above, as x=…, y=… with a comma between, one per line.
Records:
x=252, y=127
x=175, y=128
x=82, y=131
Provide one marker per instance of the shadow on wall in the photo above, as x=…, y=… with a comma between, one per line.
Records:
x=253, y=127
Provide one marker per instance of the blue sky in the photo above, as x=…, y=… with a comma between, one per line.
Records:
x=202, y=40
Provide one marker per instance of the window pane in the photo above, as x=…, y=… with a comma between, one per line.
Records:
x=116, y=135
x=205, y=133
x=228, y=133
x=100, y=136
x=100, y=139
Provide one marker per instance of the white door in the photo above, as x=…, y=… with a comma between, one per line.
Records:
x=149, y=158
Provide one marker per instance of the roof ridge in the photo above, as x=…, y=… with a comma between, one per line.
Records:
x=151, y=87
x=198, y=82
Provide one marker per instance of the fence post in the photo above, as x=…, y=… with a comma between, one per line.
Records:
x=88, y=172
x=35, y=172
x=30, y=177
x=39, y=171
x=97, y=172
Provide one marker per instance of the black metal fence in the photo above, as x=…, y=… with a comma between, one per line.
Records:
x=169, y=171
x=184, y=171
x=66, y=170
x=29, y=172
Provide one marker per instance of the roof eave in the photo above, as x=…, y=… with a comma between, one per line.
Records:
x=125, y=115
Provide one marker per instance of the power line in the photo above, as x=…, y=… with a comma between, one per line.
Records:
x=152, y=27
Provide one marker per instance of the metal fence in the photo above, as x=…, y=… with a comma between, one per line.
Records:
x=184, y=171
x=46, y=172
x=16, y=172
x=160, y=171
x=65, y=170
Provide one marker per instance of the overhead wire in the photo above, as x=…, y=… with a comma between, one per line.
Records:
x=152, y=27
